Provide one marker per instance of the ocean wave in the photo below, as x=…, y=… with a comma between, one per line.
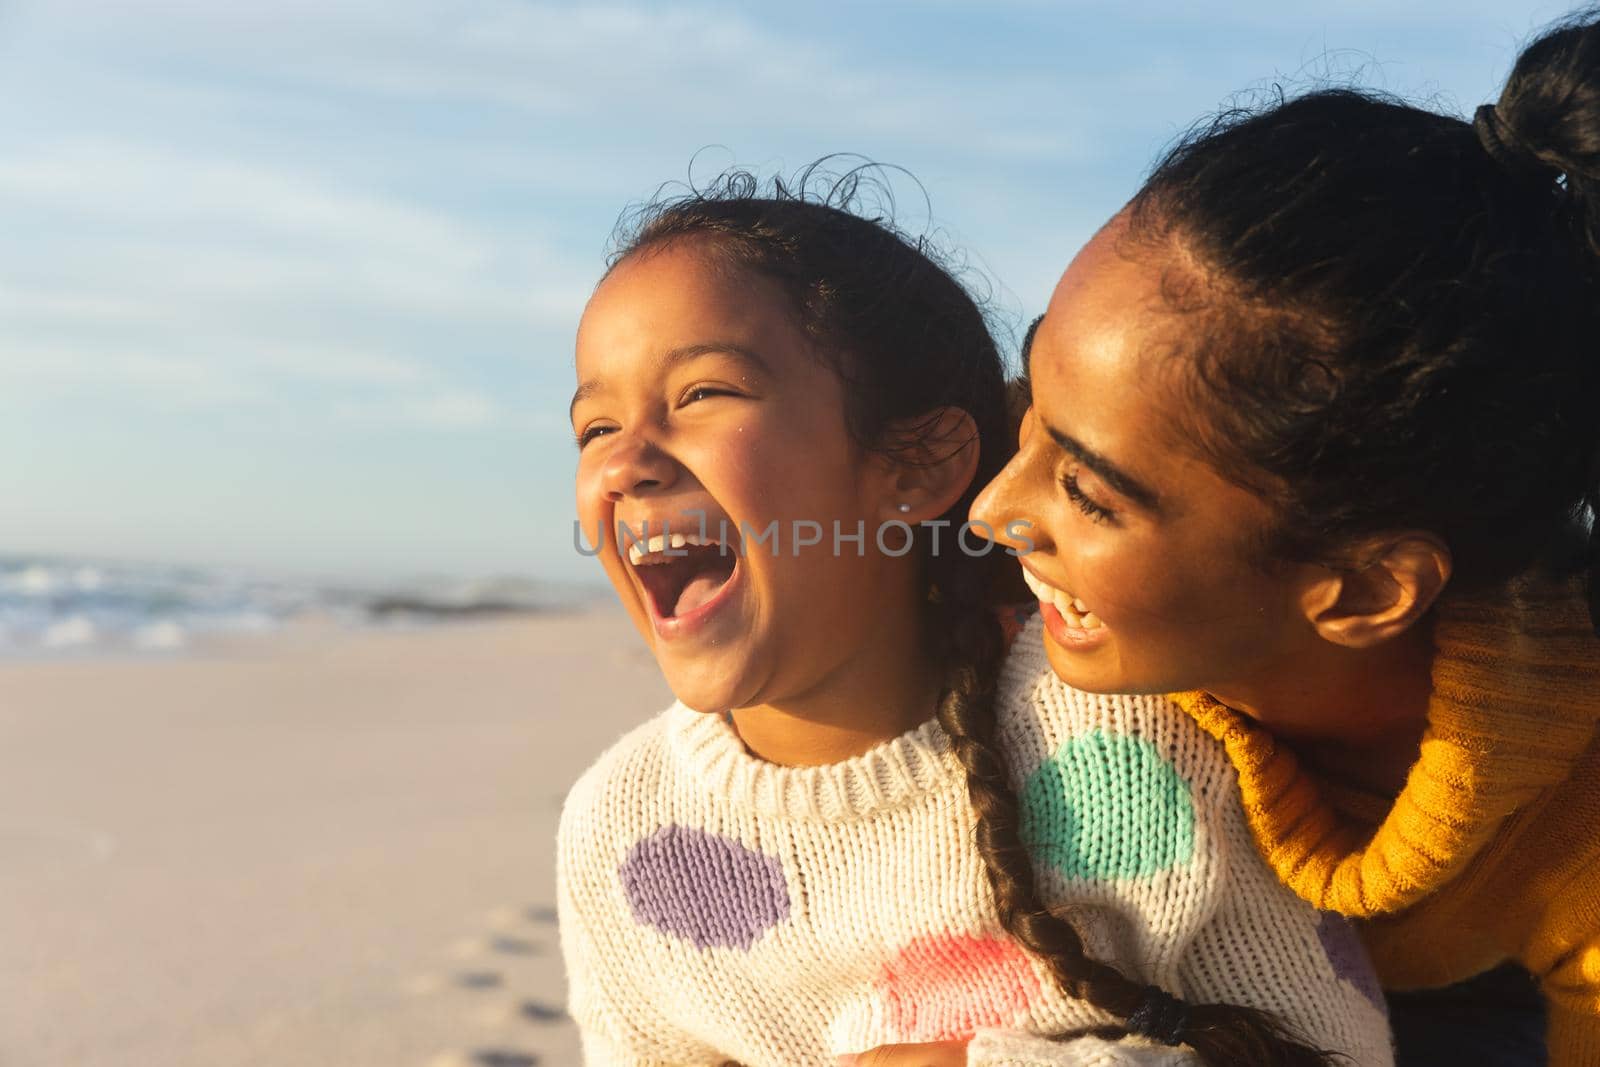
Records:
x=71, y=607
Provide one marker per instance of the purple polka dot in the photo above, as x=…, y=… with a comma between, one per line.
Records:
x=1349, y=957
x=704, y=888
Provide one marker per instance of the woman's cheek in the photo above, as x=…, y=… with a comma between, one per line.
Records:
x=1129, y=584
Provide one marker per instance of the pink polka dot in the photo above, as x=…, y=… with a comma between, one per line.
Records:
x=944, y=987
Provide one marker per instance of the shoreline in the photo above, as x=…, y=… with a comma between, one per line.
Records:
x=204, y=643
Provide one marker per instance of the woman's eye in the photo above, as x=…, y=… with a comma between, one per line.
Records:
x=1075, y=493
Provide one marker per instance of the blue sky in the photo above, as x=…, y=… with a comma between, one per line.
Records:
x=294, y=285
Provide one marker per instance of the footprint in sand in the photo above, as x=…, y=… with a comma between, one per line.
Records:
x=504, y=1058
x=540, y=1012
x=506, y=939
x=480, y=980
x=487, y=1057
x=468, y=948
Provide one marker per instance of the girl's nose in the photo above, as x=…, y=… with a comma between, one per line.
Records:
x=634, y=468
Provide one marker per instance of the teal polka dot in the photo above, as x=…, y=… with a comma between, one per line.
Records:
x=1108, y=806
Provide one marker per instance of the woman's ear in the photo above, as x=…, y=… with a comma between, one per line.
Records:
x=1401, y=578
x=931, y=460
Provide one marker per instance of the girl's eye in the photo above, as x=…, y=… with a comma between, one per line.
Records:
x=701, y=392
x=589, y=434
x=689, y=396
x=1075, y=493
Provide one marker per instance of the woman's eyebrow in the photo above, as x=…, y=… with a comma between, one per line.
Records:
x=1114, y=476
x=674, y=356
x=1027, y=346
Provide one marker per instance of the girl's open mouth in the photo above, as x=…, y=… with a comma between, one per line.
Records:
x=685, y=578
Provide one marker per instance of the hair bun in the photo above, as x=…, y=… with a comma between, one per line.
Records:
x=1507, y=149
x=1550, y=105
x=1550, y=110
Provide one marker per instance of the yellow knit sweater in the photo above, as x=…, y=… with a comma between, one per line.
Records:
x=1491, y=851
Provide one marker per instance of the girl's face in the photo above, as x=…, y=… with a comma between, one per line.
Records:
x=699, y=395
x=1142, y=553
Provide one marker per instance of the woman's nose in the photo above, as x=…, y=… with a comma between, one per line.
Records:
x=636, y=467
x=1005, y=507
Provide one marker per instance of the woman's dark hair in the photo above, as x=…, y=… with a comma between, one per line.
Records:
x=907, y=339
x=1393, y=315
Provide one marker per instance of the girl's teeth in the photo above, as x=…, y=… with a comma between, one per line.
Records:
x=1080, y=606
x=658, y=543
x=1091, y=621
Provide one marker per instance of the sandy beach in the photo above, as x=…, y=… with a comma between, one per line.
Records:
x=321, y=846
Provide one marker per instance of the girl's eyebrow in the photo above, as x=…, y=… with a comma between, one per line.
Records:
x=679, y=355
x=707, y=348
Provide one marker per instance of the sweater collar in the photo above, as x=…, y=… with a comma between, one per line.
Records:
x=898, y=771
x=1515, y=704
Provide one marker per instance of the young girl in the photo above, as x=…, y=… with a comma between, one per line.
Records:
x=777, y=402
x=1312, y=420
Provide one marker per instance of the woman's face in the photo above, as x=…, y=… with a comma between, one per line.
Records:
x=701, y=406
x=1142, y=553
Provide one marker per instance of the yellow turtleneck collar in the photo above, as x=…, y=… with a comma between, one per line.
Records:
x=1515, y=704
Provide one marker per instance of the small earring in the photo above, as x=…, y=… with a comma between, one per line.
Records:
x=904, y=508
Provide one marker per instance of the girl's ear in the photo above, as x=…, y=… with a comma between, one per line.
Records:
x=1402, y=578
x=931, y=460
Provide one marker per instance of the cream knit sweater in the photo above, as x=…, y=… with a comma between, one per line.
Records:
x=715, y=907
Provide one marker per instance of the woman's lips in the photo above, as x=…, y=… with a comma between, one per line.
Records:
x=1069, y=621
x=1074, y=611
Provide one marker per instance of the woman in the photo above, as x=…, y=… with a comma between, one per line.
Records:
x=1313, y=419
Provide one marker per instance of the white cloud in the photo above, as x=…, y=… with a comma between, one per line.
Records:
x=181, y=280
x=213, y=228
x=34, y=374
x=651, y=71
x=132, y=183
x=341, y=382
x=455, y=409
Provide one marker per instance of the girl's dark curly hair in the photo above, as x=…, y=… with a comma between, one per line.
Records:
x=1393, y=315
x=907, y=339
